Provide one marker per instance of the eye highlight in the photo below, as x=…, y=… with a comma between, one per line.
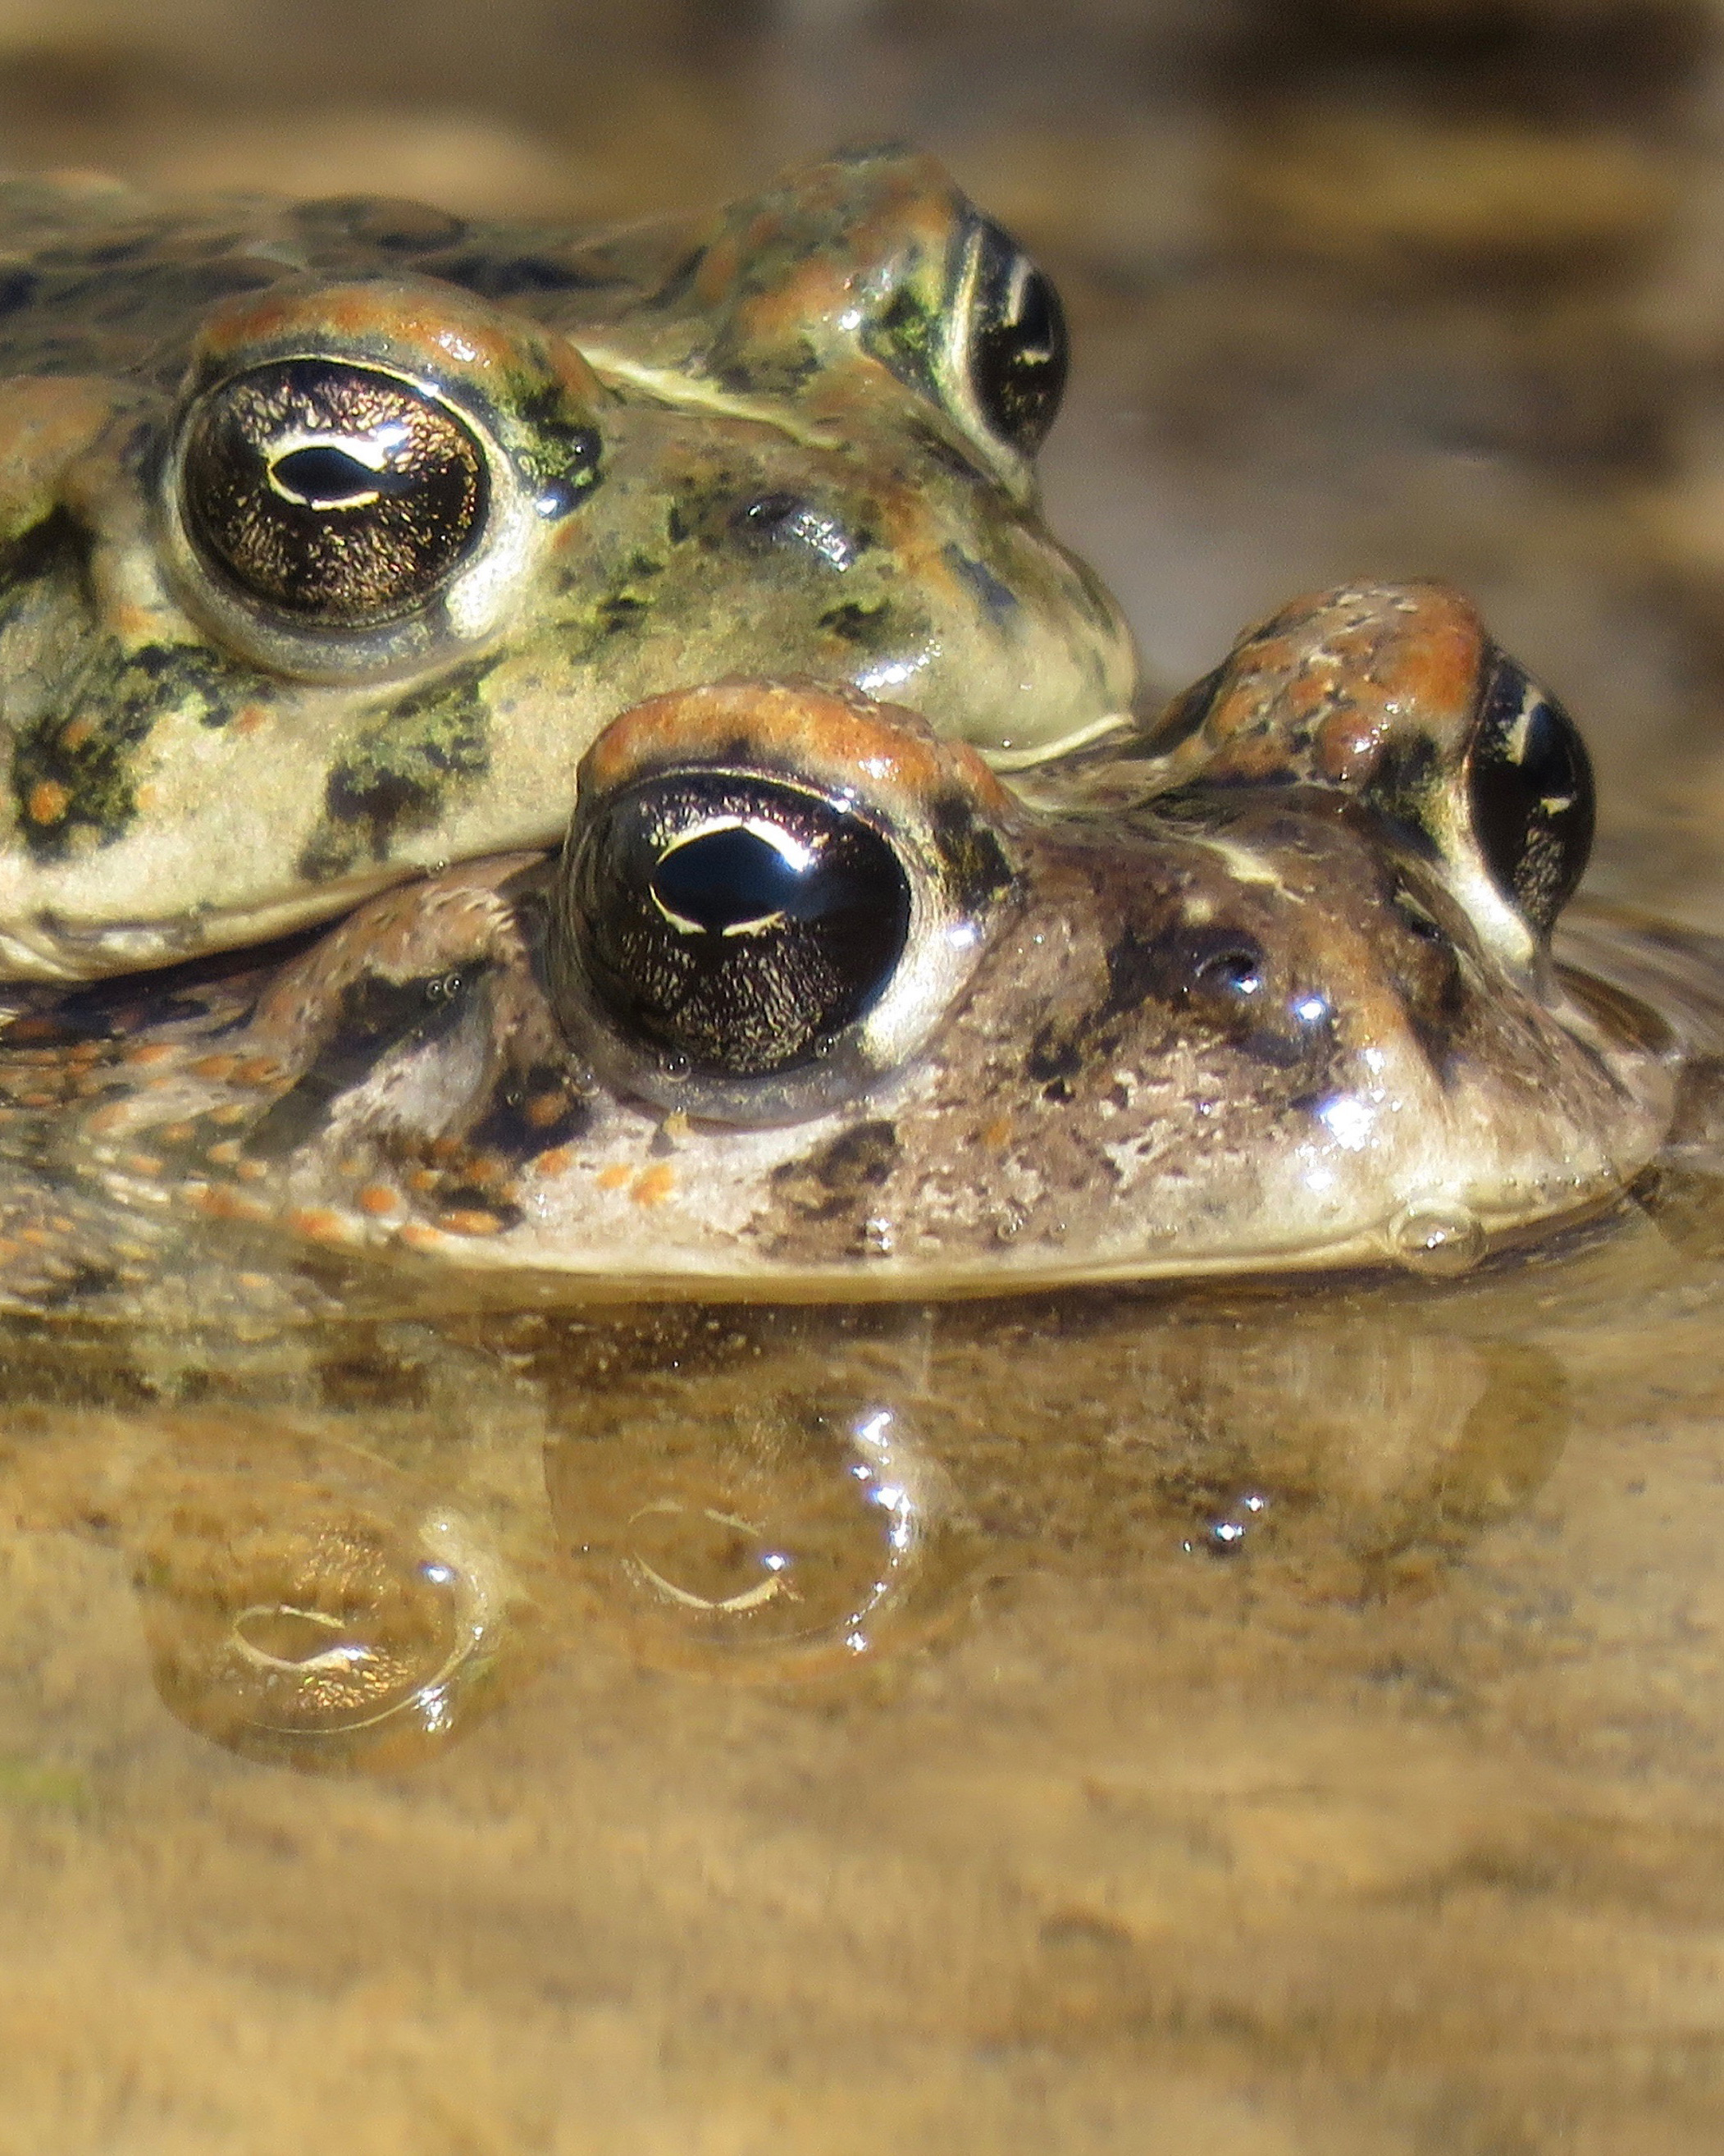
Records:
x=337, y=494
x=737, y=924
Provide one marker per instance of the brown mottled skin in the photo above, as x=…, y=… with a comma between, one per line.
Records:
x=1240, y=1023
x=748, y=443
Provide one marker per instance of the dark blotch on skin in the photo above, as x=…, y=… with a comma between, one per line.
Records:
x=376, y=1016
x=530, y=1112
x=504, y=276
x=1055, y=1056
x=476, y=1198
x=971, y=852
x=1000, y=603
x=775, y=374
x=87, y=1280
x=865, y=626
x=403, y=773
x=169, y=995
x=831, y=1182
x=1137, y=968
x=1136, y=971
x=77, y=760
x=564, y=462
x=34, y=553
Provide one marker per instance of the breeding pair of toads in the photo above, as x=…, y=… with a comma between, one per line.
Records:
x=354, y=555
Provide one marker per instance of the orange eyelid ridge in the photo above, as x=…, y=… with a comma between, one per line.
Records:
x=1352, y=667
x=415, y=323
x=829, y=736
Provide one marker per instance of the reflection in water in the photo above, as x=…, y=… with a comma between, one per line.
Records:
x=764, y=1540
x=307, y=1602
x=346, y=1562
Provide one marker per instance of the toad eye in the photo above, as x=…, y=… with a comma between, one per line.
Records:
x=1529, y=784
x=1018, y=349
x=737, y=924
x=340, y=494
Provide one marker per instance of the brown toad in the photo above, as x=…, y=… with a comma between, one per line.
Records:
x=810, y=1003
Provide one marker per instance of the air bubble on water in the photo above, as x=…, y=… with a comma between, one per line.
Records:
x=1437, y=1239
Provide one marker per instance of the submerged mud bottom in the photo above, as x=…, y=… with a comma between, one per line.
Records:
x=1254, y=1719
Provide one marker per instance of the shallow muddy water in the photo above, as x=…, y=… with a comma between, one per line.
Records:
x=1275, y=1722
x=1270, y=1720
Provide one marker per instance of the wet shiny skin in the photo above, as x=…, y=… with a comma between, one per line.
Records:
x=795, y=435
x=1214, y=1005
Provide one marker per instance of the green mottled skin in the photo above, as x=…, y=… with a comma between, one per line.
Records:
x=169, y=792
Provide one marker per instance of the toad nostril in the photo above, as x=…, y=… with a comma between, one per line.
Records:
x=787, y=520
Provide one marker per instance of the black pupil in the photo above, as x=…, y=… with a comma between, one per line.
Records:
x=1529, y=782
x=1019, y=350
x=327, y=477
x=735, y=923
x=733, y=878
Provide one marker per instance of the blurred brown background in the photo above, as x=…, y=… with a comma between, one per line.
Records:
x=1399, y=286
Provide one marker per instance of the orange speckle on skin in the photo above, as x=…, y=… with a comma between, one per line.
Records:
x=654, y=1185
x=48, y=801
x=76, y=732
x=257, y=1071
x=252, y=1171
x=104, y=1122
x=997, y=1133
x=423, y=1179
x=377, y=1198
x=140, y=1163
x=214, y=1066
x=222, y=1202
x=38, y=1237
x=543, y=1110
x=248, y=718
x=417, y=1236
x=226, y=1153
x=613, y=1176
x=175, y=1134
x=555, y=1162
x=150, y=1051
x=319, y=1223
x=230, y=1111
x=469, y=1220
